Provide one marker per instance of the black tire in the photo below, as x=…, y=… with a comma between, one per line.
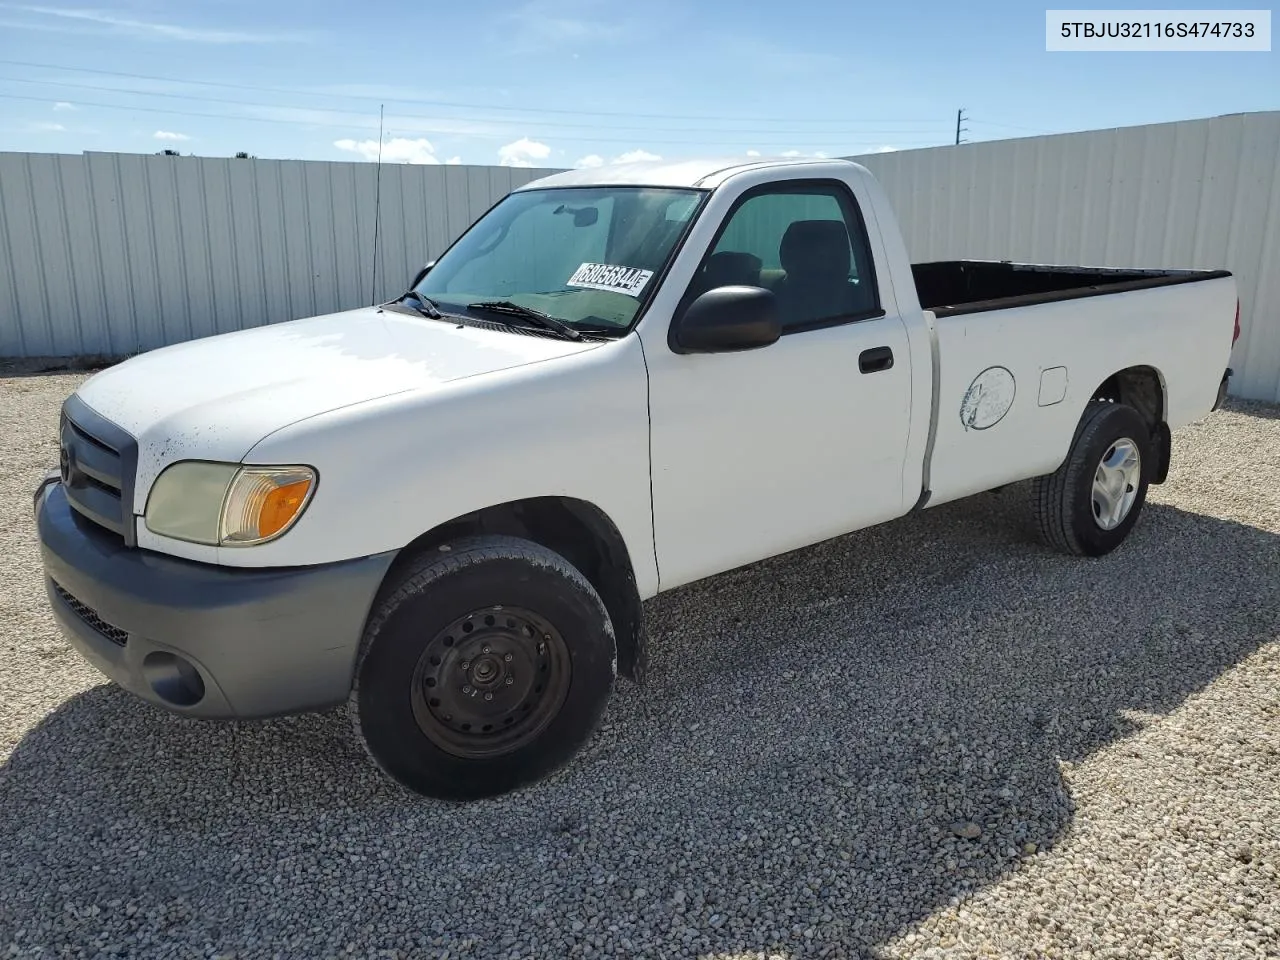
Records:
x=1063, y=501
x=547, y=618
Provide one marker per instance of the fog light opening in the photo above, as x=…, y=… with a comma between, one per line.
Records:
x=173, y=679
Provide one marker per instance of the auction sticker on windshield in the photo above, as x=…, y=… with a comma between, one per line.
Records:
x=607, y=276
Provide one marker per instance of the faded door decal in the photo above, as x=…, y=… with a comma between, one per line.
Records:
x=988, y=399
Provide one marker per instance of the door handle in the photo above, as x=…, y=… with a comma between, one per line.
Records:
x=875, y=359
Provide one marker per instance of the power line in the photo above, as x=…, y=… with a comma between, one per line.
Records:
x=418, y=116
x=1010, y=126
x=759, y=141
x=446, y=103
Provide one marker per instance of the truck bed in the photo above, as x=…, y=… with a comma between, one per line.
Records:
x=951, y=287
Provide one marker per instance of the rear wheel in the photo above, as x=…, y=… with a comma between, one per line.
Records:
x=484, y=667
x=1090, y=503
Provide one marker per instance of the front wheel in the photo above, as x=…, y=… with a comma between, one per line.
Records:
x=485, y=666
x=1090, y=503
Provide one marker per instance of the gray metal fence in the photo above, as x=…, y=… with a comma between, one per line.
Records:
x=115, y=253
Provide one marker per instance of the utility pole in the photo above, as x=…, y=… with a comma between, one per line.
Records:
x=960, y=117
x=377, y=211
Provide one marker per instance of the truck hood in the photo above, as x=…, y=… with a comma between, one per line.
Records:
x=216, y=397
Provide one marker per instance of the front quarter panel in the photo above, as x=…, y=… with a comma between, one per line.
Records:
x=393, y=469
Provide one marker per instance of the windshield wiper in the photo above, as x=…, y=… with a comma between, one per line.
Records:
x=429, y=307
x=544, y=320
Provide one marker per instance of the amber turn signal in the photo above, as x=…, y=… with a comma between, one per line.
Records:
x=280, y=506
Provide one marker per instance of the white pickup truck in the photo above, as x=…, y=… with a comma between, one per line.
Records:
x=446, y=510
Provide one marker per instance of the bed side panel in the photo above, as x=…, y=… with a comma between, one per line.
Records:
x=997, y=425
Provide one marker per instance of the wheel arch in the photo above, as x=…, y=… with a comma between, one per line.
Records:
x=577, y=530
x=1143, y=388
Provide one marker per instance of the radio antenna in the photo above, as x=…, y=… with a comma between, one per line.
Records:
x=377, y=212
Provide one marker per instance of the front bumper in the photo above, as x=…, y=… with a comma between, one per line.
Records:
x=199, y=639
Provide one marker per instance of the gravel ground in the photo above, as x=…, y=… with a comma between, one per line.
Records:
x=823, y=736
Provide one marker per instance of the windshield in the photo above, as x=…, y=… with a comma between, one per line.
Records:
x=584, y=255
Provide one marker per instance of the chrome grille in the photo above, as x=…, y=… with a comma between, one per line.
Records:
x=90, y=616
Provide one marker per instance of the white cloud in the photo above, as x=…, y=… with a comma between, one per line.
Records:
x=522, y=153
x=753, y=153
x=149, y=29
x=394, y=150
x=538, y=24
x=792, y=153
x=63, y=105
x=636, y=156
x=169, y=135
x=454, y=161
x=590, y=160
x=775, y=59
x=49, y=127
x=817, y=154
x=885, y=149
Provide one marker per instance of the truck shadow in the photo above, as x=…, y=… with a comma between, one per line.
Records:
x=813, y=727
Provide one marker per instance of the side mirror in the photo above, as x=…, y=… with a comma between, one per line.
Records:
x=421, y=273
x=727, y=319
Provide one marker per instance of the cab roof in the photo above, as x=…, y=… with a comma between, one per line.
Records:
x=704, y=174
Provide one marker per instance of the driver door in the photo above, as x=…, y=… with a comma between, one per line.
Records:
x=762, y=451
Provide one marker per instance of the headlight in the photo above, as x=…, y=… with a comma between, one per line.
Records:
x=227, y=505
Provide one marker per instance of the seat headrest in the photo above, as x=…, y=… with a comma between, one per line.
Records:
x=815, y=248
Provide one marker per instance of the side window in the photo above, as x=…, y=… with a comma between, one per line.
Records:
x=807, y=244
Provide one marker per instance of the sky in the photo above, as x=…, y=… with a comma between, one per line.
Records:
x=559, y=83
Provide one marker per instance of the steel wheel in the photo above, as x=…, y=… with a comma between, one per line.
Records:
x=490, y=682
x=1115, y=483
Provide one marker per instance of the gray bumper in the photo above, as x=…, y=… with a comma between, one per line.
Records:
x=199, y=639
